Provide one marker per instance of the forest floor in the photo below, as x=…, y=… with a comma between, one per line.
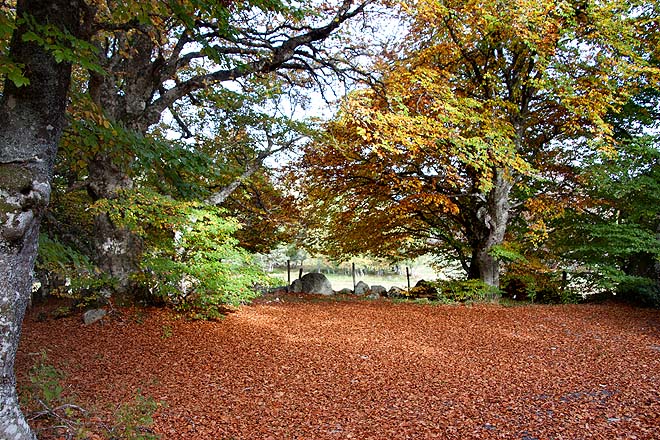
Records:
x=292, y=368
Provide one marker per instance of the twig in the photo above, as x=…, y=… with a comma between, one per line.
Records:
x=48, y=411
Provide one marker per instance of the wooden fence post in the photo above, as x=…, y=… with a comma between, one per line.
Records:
x=353, y=274
x=288, y=272
x=408, y=278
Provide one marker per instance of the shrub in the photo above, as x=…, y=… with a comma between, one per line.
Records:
x=539, y=287
x=192, y=259
x=64, y=272
x=642, y=292
x=467, y=290
x=455, y=290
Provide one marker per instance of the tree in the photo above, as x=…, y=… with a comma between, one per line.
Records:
x=31, y=121
x=162, y=56
x=612, y=240
x=476, y=123
x=233, y=136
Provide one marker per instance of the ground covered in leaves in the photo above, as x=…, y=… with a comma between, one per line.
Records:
x=320, y=369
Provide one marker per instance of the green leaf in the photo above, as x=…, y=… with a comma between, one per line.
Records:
x=31, y=36
x=16, y=76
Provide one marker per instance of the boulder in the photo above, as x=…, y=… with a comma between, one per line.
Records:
x=424, y=289
x=379, y=290
x=312, y=283
x=91, y=316
x=396, y=292
x=361, y=288
x=345, y=291
x=296, y=286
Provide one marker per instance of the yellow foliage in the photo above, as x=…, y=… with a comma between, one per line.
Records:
x=481, y=90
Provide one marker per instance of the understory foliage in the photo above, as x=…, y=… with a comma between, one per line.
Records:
x=466, y=290
x=456, y=291
x=540, y=285
x=64, y=271
x=191, y=259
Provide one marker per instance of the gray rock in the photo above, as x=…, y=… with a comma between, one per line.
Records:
x=379, y=290
x=312, y=283
x=296, y=286
x=345, y=291
x=93, y=315
x=361, y=288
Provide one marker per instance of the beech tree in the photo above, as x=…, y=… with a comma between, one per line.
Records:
x=612, y=239
x=163, y=56
x=31, y=121
x=150, y=55
x=486, y=103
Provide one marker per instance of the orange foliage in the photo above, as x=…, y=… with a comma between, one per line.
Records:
x=481, y=89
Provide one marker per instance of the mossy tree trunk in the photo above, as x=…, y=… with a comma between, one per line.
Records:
x=31, y=121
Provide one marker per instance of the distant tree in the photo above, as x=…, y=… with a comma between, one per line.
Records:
x=613, y=238
x=476, y=124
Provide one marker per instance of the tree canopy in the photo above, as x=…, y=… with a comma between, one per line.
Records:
x=480, y=119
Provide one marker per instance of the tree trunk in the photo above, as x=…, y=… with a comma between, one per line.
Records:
x=491, y=222
x=489, y=267
x=31, y=121
x=117, y=250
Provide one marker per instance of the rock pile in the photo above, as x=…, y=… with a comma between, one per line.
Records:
x=317, y=283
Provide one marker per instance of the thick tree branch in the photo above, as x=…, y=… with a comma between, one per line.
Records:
x=275, y=58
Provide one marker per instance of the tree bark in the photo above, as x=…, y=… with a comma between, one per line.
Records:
x=491, y=221
x=117, y=250
x=31, y=121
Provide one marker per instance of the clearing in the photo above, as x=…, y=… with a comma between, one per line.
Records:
x=321, y=369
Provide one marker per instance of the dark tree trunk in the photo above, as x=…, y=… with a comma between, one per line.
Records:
x=473, y=270
x=31, y=121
